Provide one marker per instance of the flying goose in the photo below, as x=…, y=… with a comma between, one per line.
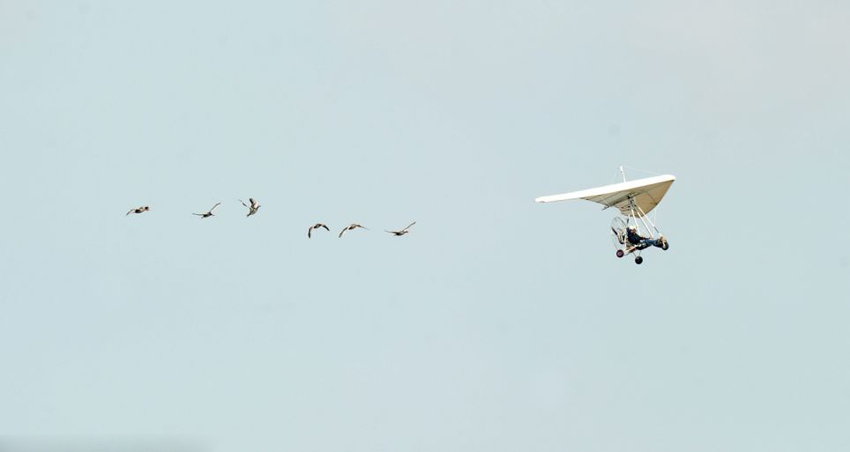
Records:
x=351, y=227
x=316, y=226
x=209, y=213
x=138, y=210
x=403, y=231
x=253, y=208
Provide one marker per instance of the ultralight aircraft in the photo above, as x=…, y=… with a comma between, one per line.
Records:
x=634, y=199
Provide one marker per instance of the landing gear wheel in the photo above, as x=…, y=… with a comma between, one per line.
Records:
x=620, y=253
x=665, y=245
x=638, y=260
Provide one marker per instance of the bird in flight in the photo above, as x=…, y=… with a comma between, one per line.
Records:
x=316, y=226
x=208, y=213
x=351, y=227
x=138, y=210
x=403, y=231
x=253, y=208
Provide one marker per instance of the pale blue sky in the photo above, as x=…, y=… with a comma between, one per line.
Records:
x=498, y=324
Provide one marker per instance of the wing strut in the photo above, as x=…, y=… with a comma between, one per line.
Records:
x=650, y=226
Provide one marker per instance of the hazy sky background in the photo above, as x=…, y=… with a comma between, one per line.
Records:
x=498, y=324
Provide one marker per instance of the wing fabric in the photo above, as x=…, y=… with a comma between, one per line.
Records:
x=647, y=193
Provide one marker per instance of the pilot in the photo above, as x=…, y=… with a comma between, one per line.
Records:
x=632, y=235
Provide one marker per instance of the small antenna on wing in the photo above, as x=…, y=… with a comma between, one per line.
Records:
x=623, y=173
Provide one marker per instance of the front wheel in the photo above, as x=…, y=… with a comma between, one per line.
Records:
x=638, y=260
x=665, y=245
x=620, y=253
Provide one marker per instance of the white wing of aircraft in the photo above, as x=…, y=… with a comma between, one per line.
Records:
x=644, y=193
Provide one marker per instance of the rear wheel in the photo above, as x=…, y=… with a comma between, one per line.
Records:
x=638, y=260
x=620, y=253
x=665, y=245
